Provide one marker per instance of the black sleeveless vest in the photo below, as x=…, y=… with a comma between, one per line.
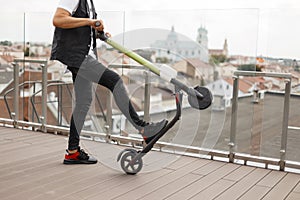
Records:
x=71, y=46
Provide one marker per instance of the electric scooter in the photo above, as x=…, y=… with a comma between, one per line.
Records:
x=198, y=97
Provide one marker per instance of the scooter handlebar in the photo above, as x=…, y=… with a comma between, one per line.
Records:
x=100, y=34
x=189, y=90
x=97, y=23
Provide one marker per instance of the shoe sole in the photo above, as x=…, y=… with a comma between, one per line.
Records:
x=74, y=162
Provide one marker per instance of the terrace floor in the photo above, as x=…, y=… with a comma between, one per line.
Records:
x=31, y=168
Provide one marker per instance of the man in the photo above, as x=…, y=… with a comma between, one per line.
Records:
x=74, y=44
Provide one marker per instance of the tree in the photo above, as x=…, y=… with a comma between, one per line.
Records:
x=250, y=67
x=217, y=59
x=296, y=66
x=26, y=52
x=6, y=43
x=162, y=60
x=27, y=49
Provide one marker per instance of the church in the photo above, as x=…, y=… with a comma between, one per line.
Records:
x=174, y=49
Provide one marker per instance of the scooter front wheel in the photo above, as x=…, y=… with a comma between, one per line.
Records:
x=130, y=164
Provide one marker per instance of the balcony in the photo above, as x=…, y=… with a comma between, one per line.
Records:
x=253, y=160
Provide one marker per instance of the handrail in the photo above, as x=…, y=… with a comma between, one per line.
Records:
x=28, y=60
x=265, y=74
x=126, y=66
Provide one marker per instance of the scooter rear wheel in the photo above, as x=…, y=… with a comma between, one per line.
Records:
x=129, y=165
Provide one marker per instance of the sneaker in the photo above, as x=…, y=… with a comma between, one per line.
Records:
x=80, y=157
x=152, y=129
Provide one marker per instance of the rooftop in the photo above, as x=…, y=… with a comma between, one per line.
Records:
x=31, y=168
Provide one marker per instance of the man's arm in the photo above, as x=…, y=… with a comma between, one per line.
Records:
x=63, y=19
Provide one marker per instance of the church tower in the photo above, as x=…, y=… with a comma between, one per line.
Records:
x=172, y=38
x=225, y=48
x=202, y=38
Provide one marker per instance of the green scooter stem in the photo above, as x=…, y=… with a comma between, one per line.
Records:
x=129, y=53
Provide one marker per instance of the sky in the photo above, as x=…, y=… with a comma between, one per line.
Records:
x=255, y=28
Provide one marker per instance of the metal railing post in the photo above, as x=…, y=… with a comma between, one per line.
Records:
x=108, y=125
x=231, y=143
x=286, y=109
x=16, y=93
x=44, y=96
x=147, y=96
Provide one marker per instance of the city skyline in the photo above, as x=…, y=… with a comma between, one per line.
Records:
x=252, y=28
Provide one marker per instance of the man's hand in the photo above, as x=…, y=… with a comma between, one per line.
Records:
x=99, y=27
x=108, y=34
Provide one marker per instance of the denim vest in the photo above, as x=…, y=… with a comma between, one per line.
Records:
x=71, y=46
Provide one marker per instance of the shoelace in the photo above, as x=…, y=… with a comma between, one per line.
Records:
x=83, y=155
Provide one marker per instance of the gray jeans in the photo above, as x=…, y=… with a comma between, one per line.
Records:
x=91, y=71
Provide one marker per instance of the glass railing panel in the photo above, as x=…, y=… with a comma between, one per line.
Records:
x=293, y=138
x=267, y=131
x=267, y=136
x=217, y=48
x=283, y=58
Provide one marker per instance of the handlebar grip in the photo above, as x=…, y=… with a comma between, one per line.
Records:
x=100, y=34
x=97, y=23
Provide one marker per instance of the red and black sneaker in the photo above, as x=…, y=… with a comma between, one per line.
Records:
x=80, y=157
